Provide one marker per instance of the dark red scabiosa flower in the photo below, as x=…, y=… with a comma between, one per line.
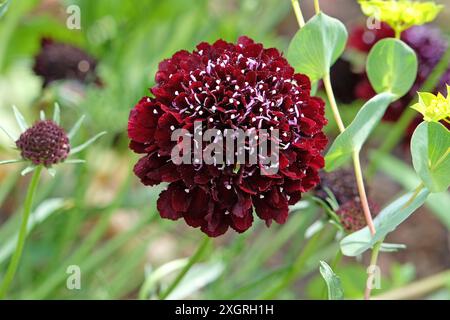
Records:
x=351, y=215
x=228, y=86
x=45, y=143
x=60, y=61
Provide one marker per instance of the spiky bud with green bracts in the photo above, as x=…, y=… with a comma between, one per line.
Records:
x=46, y=143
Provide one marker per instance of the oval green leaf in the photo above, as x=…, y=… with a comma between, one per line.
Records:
x=317, y=46
x=430, y=148
x=387, y=221
x=353, y=138
x=392, y=67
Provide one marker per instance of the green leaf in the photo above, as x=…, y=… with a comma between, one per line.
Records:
x=317, y=45
x=57, y=114
x=76, y=127
x=20, y=119
x=391, y=247
x=75, y=161
x=87, y=143
x=11, y=161
x=3, y=7
x=354, y=136
x=392, y=67
x=335, y=291
x=153, y=277
x=386, y=222
x=198, y=277
x=10, y=136
x=403, y=174
x=28, y=169
x=430, y=148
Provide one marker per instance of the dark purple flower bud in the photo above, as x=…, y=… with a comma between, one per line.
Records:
x=45, y=143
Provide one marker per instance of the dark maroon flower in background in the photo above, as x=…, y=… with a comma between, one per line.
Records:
x=60, y=61
x=342, y=185
x=45, y=143
x=229, y=86
x=343, y=78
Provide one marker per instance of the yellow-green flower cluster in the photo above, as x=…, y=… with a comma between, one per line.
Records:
x=401, y=14
x=434, y=108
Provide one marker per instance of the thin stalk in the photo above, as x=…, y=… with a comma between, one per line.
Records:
x=373, y=263
x=317, y=6
x=13, y=265
x=362, y=192
x=193, y=260
x=356, y=161
x=398, y=34
x=298, y=13
x=333, y=104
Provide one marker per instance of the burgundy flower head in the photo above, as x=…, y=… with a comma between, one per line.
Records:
x=45, y=143
x=237, y=86
x=59, y=61
x=352, y=216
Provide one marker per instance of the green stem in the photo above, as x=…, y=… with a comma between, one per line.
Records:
x=332, y=100
x=196, y=257
x=298, y=13
x=316, y=6
x=373, y=263
x=12, y=268
x=297, y=267
x=362, y=192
